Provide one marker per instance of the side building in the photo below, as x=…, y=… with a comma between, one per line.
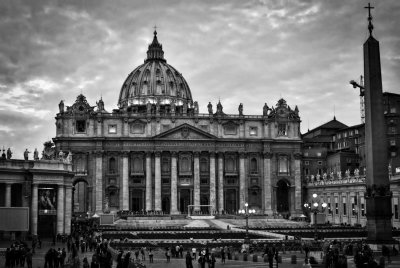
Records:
x=156, y=153
x=339, y=175
x=44, y=187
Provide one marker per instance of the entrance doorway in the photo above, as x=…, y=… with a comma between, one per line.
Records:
x=165, y=204
x=204, y=201
x=231, y=201
x=282, y=197
x=137, y=200
x=46, y=226
x=184, y=200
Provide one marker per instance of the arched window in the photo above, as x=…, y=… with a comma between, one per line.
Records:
x=165, y=165
x=137, y=165
x=253, y=165
x=158, y=75
x=112, y=194
x=80, y=165
x=112, y=165
x=203, y=165
x=123, y=92
x=158, y=88
x=185, y=164
x=146, y=81
x=132, y=90
x=283, y=164
x=230, y=164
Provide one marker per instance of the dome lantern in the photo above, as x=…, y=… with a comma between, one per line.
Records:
x=155, y=51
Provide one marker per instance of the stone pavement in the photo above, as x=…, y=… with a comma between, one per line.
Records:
x=160, y=260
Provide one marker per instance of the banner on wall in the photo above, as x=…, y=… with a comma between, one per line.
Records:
x=47, y=201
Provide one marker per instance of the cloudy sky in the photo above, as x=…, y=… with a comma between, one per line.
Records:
x=249, y=51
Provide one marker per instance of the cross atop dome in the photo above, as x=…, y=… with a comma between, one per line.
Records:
x=155, y=51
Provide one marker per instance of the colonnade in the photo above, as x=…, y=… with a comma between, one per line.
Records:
x=153, y=181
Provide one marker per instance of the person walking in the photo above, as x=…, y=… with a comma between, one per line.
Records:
x=306, y=263
x=202, y=260
x=85, y=263
x=211, y=260
x=168, y=254
x=189, y=259
x=28, y=258
x=151, y=255
x=222, y=255
x=143, y=253
x=137, y=254
x=271, y=258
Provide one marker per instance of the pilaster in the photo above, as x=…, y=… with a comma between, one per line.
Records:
x=8, y=195
x=149, y=192
x=174, y=185
x=60, y=209
x=157, y=182
x=125, y=181
x=213, y=197
x=196, y=181
x=99, y=181
x=220, y=182
x=267, y=183
x=242, y=181
x=68, y=209
x=34, y=209
x=297, y=184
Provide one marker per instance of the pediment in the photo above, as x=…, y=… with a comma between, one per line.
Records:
x=185, y=132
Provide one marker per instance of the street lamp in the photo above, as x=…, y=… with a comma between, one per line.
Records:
x=246, y=211
x=315, y=206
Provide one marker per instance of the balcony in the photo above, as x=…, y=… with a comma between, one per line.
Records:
x=81, y=173
x=137, y=172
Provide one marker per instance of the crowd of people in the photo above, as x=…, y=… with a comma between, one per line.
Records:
x=72, y=249
x=18, y=254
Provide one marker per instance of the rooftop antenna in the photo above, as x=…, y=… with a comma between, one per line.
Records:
x=362, y=93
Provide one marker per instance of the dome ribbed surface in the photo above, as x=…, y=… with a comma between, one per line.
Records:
x=153, y=81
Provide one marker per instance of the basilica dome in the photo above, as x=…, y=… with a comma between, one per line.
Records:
x=154, y=81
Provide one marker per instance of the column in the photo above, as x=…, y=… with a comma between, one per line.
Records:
x=196, y=181
x=34, y=210
x=213, y=197
x=267, y=184
x=242, y=181
x=157, y=182
x=8, y=195
x=60, y=209
x=174, y=185
x=220, y=182
x=68, y=209
x=99, y=182
x=149, y=196
x=297, y=184
x=125, y=182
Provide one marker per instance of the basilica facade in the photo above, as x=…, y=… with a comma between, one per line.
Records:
x=157, y=153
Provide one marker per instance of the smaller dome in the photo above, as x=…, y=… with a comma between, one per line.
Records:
x=154, y=81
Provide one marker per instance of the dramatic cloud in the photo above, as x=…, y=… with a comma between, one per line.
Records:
x=248, y=52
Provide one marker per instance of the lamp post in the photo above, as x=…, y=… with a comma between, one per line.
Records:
x=246, y=211
x=314, y=206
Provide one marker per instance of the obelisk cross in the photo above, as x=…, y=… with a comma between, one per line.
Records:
x=370, y=26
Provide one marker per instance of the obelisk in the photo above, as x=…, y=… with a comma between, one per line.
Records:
x=378, y=195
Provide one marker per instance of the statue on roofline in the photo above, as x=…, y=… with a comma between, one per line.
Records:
x=210, y=108
x=240, y=109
